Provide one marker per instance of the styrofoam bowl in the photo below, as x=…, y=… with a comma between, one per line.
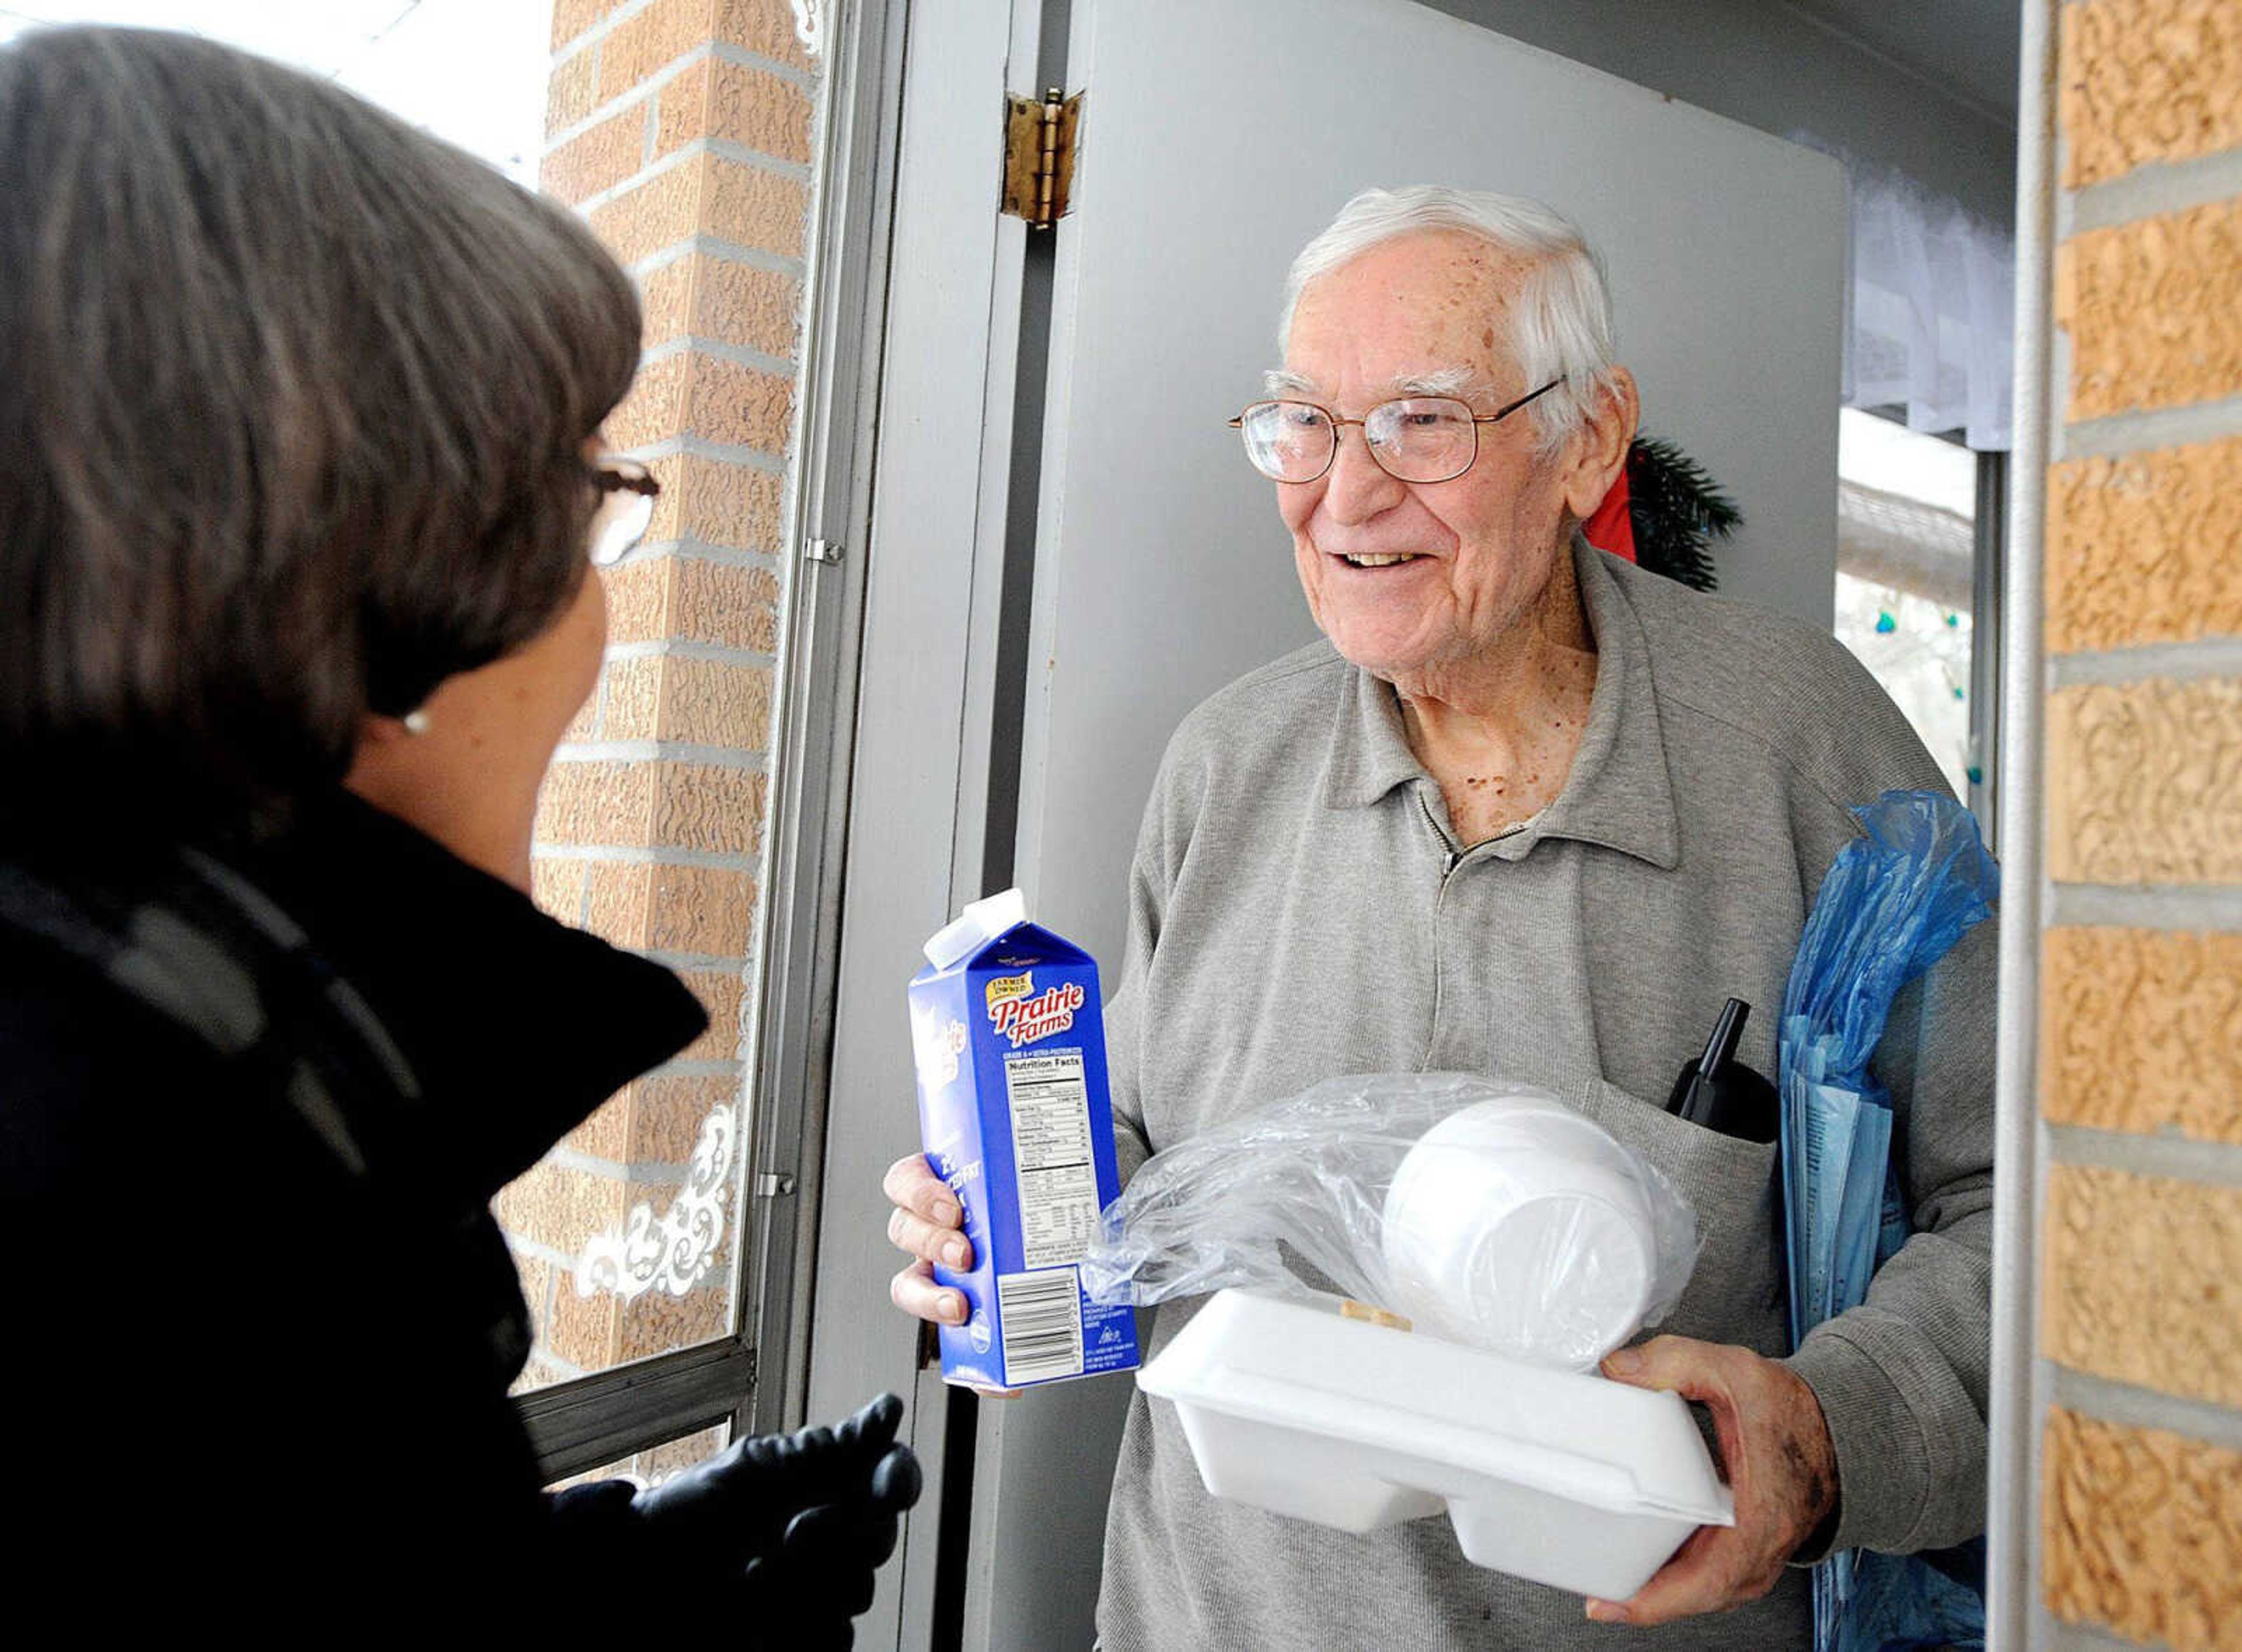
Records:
x=1521, y=1229
x=1559, y=1477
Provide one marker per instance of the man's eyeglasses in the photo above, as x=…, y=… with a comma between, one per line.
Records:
x=627, y=491
x=1415, y=438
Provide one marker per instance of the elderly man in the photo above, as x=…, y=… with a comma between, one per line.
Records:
x=1529, y=812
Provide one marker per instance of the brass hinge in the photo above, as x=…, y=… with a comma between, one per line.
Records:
x=1039, y=155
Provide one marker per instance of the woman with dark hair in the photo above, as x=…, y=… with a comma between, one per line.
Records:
x=300, y=485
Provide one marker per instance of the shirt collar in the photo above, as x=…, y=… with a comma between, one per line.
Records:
x=1619, y=794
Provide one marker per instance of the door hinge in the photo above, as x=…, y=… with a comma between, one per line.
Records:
x=1039, y=150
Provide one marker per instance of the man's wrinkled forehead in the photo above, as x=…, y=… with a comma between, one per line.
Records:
x=1458, y=380
x=1447, y=292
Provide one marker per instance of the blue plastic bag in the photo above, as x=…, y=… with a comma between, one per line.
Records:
x=1893, y=903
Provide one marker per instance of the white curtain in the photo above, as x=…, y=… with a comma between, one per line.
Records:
x=1931, y=306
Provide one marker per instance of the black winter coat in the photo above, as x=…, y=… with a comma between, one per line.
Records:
x=262, y=1325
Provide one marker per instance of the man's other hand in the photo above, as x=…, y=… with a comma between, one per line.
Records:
x=1776, y=1454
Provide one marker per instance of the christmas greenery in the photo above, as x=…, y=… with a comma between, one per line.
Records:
x=1677, y=511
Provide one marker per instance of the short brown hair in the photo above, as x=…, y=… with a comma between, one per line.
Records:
x=292, y=398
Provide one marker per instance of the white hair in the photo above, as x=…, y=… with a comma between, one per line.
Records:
x=1560, y=326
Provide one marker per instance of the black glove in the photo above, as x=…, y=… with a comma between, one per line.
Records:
x=798, y=1523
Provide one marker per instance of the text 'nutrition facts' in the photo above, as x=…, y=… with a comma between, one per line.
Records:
x=1051, y=1156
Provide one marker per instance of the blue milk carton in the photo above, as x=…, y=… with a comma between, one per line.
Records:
x=1008, y=1033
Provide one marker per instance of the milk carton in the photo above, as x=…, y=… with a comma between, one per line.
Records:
x=1009, y=1037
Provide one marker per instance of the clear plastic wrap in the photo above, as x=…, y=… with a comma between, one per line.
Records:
x=1483, y=1212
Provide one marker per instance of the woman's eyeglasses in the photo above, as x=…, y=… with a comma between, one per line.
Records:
x=627, y=491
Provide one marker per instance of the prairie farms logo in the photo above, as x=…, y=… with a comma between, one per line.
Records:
x=1025, y=1015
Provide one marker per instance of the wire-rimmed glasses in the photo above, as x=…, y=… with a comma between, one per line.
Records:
x=1412, y=438
x=627, y=491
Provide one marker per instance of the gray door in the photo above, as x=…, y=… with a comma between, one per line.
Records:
x=1216, y=138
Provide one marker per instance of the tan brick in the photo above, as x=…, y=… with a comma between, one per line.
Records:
x=2141, y=1533
x=739, y=405
x=638, y=591
x=658, y=1464
x=754, y=207
x=656, y=409
x=556, y=1206
x=583, y=1328
x=597, y=803
x=557, y=886
x=607, y=1133
x=709, y=194
x=762, y=112
x=682, y=107
x=704, y=702
x=2148, y=80
x=2141, y=548
x=702, y=909
x=698, y=396
x=2142, y=1031
x=2143, y=1281
x=719, y=994
x=653, y=805
x=541, y=1372
x=2145, y=783
x=746, y=106
x=656, y=1322
x=666, y=300
x=765, y=27
x=713, y=298
x=633, y=703
x=709, y=703
x=718, y=811
x=597, y=159
x=2154, y=309
x=740, y=304
x=715, y=702
x=620, y=898
x=574, y=91
x=574, y=17
x=536, y=1276
x=654, y=39
x=668, y=1112
x=719, y=502
x=735, y=605
x=661, y=212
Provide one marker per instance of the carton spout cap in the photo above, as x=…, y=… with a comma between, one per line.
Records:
x=973, y=928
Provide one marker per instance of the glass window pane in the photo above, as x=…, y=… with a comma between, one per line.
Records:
x=625, y=1234
x=1906, y=509
x=1919, y=650
x=654, y=822
x=653, y=1465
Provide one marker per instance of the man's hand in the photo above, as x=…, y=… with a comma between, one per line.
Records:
x=927, y=1225
x=1776, y=1452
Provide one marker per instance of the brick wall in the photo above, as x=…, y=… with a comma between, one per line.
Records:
x=682, y=130
x=2141, y=987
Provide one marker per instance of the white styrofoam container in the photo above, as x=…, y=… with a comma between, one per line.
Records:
x=1564, y=1478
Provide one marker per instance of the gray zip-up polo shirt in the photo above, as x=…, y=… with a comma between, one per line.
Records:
x=1300, y=908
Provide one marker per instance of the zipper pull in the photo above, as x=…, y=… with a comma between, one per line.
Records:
x=1448, y=862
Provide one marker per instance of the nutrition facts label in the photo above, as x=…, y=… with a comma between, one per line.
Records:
x=1051, y=1156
